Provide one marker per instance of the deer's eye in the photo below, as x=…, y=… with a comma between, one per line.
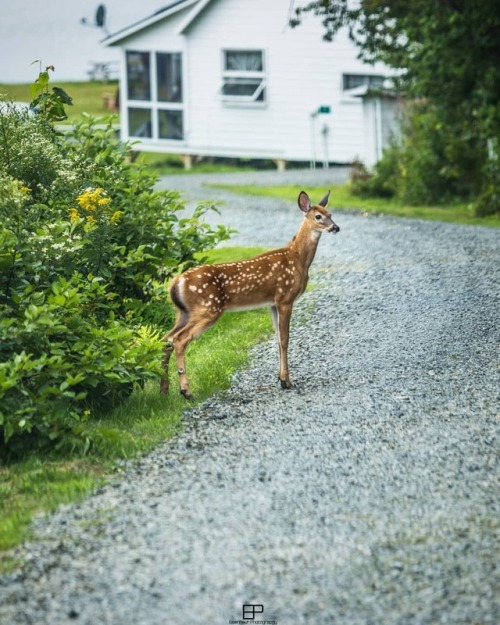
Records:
x=318, y=217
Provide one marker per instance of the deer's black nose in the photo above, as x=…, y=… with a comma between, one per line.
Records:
x=334, y=229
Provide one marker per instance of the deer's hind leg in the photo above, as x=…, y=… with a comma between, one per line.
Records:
x=182, y=319
x=182, y=335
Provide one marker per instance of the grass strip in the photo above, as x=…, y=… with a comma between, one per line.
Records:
x=88, y=97
x=342, y=198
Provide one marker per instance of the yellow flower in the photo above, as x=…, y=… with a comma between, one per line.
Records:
x=83, y=199
x=91, y=199
x=73, y=214
x=116, y=216
x=91, y=219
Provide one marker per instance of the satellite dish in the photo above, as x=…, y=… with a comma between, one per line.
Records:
x=100, y=16
x=99, y=20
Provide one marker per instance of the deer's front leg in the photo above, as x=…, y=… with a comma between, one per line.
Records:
x=284, y=316
x=274, y=315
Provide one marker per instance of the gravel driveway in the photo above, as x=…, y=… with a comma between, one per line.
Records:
x=367, y=495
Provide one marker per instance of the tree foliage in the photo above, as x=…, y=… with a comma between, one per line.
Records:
x=445, y=54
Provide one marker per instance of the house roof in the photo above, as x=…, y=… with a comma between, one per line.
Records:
x=170, y=9
x=192, y=15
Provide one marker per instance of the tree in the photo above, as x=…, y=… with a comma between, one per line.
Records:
x=445, y=52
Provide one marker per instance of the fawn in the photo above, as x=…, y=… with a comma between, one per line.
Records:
x=275, y=279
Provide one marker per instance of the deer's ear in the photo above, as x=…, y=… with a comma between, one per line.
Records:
x=304, y=202
x=324, y=201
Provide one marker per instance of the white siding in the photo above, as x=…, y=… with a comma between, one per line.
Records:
x=381, y=118
x=303, y=72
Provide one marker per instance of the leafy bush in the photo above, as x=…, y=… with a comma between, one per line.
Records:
x=380, y=183
x=57, y=361
x=488, y=202
x=30, y=152
x=87, y=246
x=433, y=164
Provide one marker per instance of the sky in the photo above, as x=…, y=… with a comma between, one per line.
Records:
x=52, y=32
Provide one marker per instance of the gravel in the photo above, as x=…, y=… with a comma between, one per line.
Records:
x=367, y=495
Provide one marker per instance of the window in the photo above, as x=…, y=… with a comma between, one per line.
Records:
x=155, y=95
x=351, y=81
x=243, y=76
x=170, y=125
x=138, y=76
x=139, y=122
x=169, y=77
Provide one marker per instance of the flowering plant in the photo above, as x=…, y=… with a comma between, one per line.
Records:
x=87, y=246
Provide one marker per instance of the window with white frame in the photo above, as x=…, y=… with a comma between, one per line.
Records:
x=244, y=79
x=155, y=95
x=352, y=81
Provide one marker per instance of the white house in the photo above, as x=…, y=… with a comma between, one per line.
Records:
x=230, y=78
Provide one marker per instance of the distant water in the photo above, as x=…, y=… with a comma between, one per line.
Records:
x=52, y=31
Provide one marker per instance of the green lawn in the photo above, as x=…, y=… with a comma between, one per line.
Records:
x=88, y=97
x=41, y=481
x=342, y=198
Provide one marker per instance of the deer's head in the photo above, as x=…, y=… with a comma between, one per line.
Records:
x=319, y=218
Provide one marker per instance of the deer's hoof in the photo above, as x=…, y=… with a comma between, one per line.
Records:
x=285, y=384
x=186, y=394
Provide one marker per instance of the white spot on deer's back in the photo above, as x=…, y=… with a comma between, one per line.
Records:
x=192, y=288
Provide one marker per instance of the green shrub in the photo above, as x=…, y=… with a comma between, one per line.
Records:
x=434, y=163
x=488, y=202
x=140, y=237
x=380, y=183
x=30, y=151
x=87, y=247
x=57, y=360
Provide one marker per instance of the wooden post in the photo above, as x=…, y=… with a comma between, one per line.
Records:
x=187, y=160
x=280, y=164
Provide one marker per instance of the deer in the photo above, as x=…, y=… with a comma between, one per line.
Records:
x=274, y=279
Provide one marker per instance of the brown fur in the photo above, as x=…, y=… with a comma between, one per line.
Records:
x=275, y=279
